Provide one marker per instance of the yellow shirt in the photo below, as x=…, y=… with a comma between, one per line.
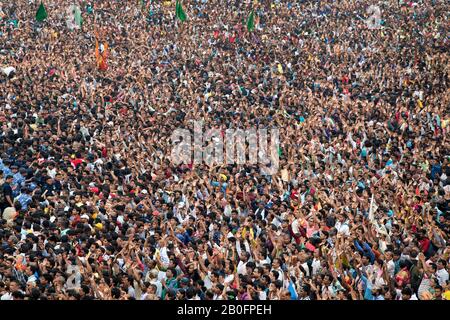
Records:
x=446, y=295
x=280, y=69
x=445, y=123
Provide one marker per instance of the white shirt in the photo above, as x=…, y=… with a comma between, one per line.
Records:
x=161, y=275
x=316, y=266
x=164, y=257
x=208, y=282
x=342, y=228
x=6, y=296
x=424, y=286
x=295, y=226
x=442, y=276
x=52, y=173
x=131, y=292
x=229, y=278
x=391, y=268
x=260, y=263
x=330, y=290
x=280, y=274
x=158, y=285
x=262, y=295
x=218, y=297
x=305, y=266
x=262, y=212
x=241, y=268
x=32, y=278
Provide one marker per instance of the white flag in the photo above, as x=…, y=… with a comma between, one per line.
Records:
x=372, y=209
x=8, y=70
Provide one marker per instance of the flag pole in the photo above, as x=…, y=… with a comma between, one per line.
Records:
x=371, y=209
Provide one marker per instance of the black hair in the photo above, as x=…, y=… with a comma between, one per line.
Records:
x=275, y=273
x=115, y=293
x=278, y=284
x=407, y=291
x=443, y=262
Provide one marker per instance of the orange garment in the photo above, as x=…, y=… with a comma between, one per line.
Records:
x=376, y=253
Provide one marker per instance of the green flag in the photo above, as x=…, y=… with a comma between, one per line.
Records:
x=78, y=18
x=177, y=9
x=180, y=12
x=41, y=14
x=251, y=21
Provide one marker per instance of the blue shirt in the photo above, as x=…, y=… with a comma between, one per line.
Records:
x=18, y=179
x=5, y=169
x=366, y=250
x=24, y=200
x=436, y=169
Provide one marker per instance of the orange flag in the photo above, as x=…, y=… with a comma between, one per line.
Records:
x=101, y=56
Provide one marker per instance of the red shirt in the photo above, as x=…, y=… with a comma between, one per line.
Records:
x=294, y=194
x=76, y=162
x=75, y=220
x=424, y=244
x=94, y=189
x=123, y=111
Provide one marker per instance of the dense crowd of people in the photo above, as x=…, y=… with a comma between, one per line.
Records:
x=93, y=207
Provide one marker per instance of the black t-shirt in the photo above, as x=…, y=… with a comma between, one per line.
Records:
x=7, y=190
x=50, y=188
